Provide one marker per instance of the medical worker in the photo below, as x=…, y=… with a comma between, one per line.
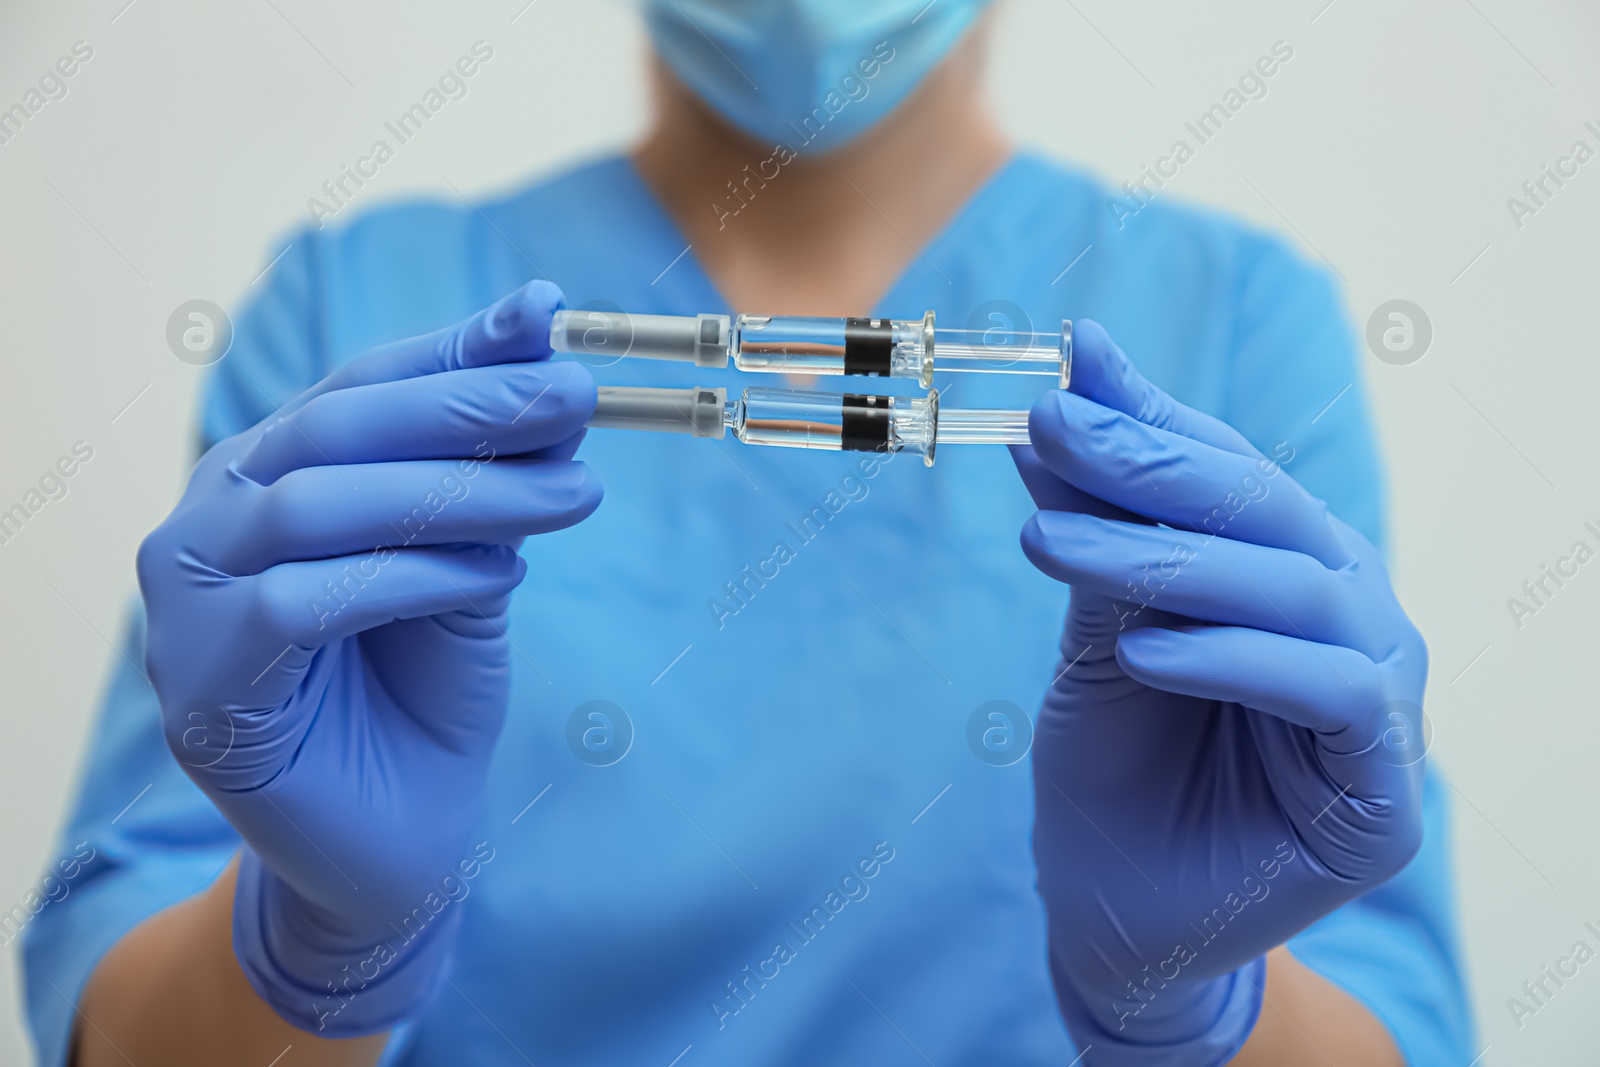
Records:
x=423, y=753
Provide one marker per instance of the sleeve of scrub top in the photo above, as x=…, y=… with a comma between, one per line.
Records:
x=1296, y=378
x=154, y=837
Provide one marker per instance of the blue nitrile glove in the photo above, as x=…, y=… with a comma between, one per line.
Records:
x=327, y=611
x=1224, y=755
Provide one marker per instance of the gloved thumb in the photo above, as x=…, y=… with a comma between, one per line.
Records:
x=1050, y=493
x=513, y=329
x=1103, y=373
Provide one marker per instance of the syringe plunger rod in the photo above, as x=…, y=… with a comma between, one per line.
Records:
x=700, y=339
x=699, y=412
x=810, y=345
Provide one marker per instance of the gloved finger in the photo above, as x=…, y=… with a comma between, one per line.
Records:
x=320, y=512
x=481, y=411
x=1050, y=493
x=1327, y=688
x=514, y=328
x=561, y=450
x=1207, y=578
x=311, y=603
x=1102, y=373
x=1340, y=775
x=1179, y=481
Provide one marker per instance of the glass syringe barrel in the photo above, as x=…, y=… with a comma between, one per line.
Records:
x=793, y=344
x=794, y=418
x=847, y=422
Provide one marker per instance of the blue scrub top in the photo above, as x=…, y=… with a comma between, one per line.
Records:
x=797, y=642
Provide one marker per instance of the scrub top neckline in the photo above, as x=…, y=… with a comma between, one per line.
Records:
x=966, y=214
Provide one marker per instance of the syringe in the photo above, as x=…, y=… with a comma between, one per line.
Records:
x=795, y=418
x=804, y=345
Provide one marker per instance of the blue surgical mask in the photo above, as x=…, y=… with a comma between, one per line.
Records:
x=811, y=74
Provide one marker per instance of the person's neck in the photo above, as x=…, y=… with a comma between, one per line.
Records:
x=827, y=234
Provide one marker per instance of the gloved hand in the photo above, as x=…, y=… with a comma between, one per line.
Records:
x=327, y=613
x=1222, y=758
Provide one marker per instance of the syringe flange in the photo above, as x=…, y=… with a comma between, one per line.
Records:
x=1066, y=353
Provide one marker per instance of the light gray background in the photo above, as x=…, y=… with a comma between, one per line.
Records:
x=188, y=145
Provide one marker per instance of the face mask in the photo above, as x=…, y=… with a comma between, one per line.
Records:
x=811, y=74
